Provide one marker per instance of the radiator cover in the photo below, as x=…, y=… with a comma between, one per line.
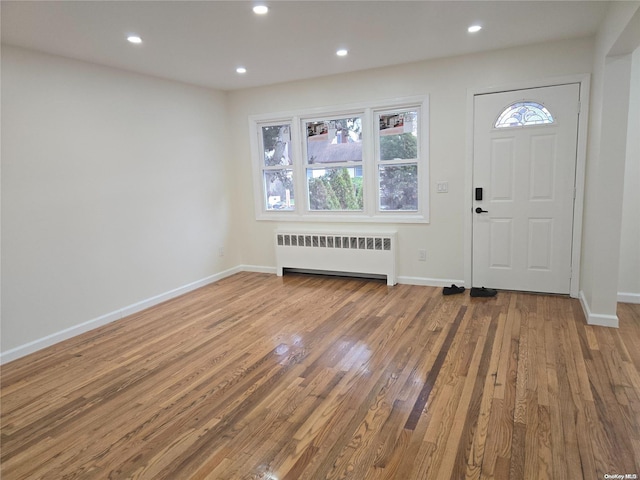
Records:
x=339, y=251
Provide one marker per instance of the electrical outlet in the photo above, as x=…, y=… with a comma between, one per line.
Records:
x=422, y=255
x=221, y=252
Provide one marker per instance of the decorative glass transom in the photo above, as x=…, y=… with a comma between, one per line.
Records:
x=521, y=114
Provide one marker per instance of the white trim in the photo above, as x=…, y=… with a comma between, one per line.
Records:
x=578, y=202
x=75, y=330
x=429, y=282
x=257, y=269
x=581, y=158
x=404, y=280
x=626, y=297
x=595, y=318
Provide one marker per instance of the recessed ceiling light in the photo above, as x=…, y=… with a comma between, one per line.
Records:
x=474, y=28
x=134, y=39
x=260, y=9
x=342, y=52
x=241, y=70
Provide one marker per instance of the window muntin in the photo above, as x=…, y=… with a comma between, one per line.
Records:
x=386, y=186
x=523, y=114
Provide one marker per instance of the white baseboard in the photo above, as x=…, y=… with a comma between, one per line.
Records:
x=257, y=269
x=423, y=281
x=430, y=282
x=625, y=297
x=597, y=319
x=70, y=332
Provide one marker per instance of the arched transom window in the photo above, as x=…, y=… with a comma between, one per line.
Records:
x=522, y=114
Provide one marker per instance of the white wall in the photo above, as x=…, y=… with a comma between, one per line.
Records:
x=629, y=279
x=115, y=189
x=446, y=81
x=606, y=159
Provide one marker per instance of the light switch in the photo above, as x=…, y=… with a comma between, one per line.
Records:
x=442, y=187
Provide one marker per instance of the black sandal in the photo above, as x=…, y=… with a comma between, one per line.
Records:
x=452, y=290
x=483, y=292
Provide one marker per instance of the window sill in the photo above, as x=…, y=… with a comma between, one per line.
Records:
x=356, y=218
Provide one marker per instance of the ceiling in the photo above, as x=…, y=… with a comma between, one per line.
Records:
x=202, y=42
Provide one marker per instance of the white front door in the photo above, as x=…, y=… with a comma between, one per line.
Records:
x=523, y=214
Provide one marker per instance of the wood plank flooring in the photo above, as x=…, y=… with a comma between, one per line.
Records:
x=303, y=377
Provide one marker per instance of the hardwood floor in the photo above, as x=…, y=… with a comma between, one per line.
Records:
x=301, y=377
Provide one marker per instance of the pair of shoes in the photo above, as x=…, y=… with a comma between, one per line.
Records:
x=483, y=292
x=452, y=290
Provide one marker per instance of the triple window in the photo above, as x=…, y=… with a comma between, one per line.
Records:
x=364, y=163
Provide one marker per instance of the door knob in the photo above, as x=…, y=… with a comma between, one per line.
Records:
x=480, y=210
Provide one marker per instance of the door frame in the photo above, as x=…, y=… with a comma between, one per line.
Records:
x=581, y=157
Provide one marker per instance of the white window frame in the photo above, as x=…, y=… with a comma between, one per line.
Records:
x=378, y=162
x=305, y=159
x=273, y=168
x=370, y=161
